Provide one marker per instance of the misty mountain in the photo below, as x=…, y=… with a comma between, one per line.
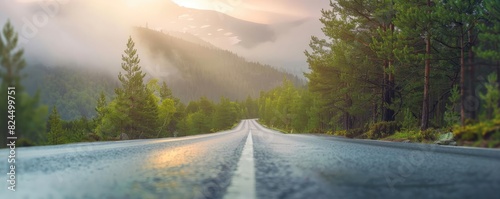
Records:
x=190, y=37
x=191, y=70
x=218, y=27
x=212, y=25
x=73, y=90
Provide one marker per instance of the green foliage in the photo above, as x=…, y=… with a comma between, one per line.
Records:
x=383, y=129
x=289, y=108
x=353, y=133
x=135, y=110
x=21, y=142
x=166, y=112
x=491, y=97
x=489, y=31
x=411, y=135
x=251, y=108
x=205, y=116
x=56, y=134
x=109, y=125
x=480, y=131
x=370, y=66
x=198, y=123
x=78, y=130
x=451, y=116
x=489, y=128
x=11, y=59
x=428, y=134
x=226, y=114
x=92, y=137
x=73, y=90
x=409, y=121
x=30, y=115
x=368, y=69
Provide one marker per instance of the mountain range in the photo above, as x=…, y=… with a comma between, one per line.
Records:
x=192, y=69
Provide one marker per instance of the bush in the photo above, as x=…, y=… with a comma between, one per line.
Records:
x=340, y=133
x=93, y=137
x=491, y=97
x=383, y=129
x=355, y=132
x=25, y=142
x=409, y=121
x=318, y=131
x=482, y=130
x=429, y=134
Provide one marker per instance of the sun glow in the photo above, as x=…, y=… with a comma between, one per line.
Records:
x=139, y=3
x=196, y=4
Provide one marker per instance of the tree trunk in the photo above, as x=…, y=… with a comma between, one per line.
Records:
x=498, y=78
x=347, y=121
x=462, y=82
x=388, y=113
x=472, y=92
x=425, y=104
x=385, y=93
x=389, y=84
x=375, y=107
x=347, y=116
x=392, y=81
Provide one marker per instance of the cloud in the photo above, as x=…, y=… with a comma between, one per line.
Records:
x=93, y=33
x=87, y=33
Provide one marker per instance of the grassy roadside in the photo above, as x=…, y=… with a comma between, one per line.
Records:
x=481, y=134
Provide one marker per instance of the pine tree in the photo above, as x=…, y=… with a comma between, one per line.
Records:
x=490, y=31
x=55, y=134
x=416, y=19
x=225, y=114
x=165, y=92
x=489, y=35
x=28, y=111
x=101, y=107
x=166, y=113
x=133, y=100
x=459, y=19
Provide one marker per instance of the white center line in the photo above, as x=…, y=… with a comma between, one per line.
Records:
x=243, y=182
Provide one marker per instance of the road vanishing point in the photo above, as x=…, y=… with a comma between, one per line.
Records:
x=251, y=161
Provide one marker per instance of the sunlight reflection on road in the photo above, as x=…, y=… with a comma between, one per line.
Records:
x=177, y=156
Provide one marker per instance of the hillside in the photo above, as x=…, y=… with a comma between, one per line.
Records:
x=192, y=70
x=206, y=71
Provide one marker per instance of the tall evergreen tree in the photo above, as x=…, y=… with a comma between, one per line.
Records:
x=28, y=111
x=55, y=133
x=416, y=20
x=489, y=34
x=100, y=107
x=459, y=19
x=133, y=99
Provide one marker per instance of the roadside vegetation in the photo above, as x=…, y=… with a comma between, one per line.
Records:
x=411, y=71
x=398, y=70
x=139, y=107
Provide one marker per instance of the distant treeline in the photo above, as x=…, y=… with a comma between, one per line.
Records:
x=93, y=111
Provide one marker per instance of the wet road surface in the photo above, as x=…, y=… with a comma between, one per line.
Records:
x=251, y=161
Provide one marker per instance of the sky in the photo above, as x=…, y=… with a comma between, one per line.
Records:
x=93, y=33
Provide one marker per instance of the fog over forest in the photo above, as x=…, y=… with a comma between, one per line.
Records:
x=92, y=33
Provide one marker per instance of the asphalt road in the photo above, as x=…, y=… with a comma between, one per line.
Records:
x=251, y=161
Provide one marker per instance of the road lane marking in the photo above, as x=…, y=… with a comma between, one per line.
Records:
x=243, y=181
x=45, y=151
